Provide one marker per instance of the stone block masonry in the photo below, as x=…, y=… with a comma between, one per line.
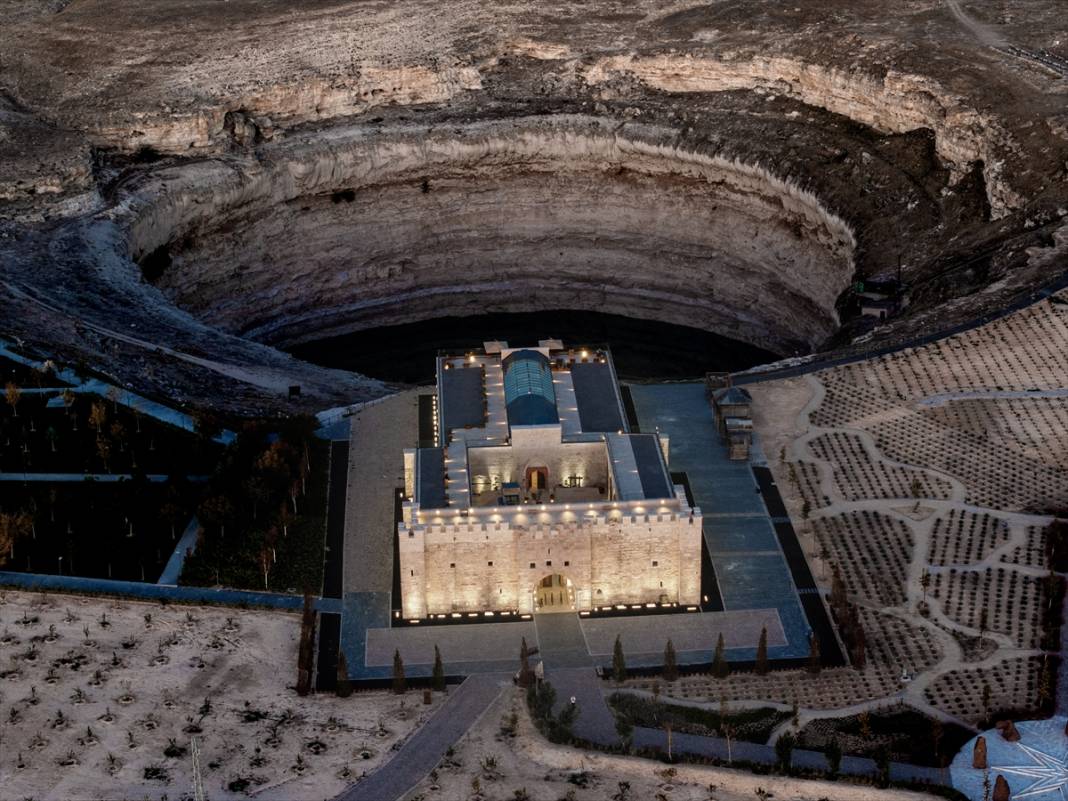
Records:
x=476, y=567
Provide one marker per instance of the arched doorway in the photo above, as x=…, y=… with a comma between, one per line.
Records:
x=554, y=594
x=537, y=478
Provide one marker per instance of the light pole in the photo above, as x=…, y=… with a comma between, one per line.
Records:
x=61, y=565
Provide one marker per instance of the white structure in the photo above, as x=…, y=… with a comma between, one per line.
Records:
x=537, y=496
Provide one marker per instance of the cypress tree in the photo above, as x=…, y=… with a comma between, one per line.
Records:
x=437, y=679
x=671, y=667
x=784, y=750
x=720, y=668
x=526, y=675
x=619, y=664
x=762, y=653
x=400, y=684
x=344, y=685
x=833, y=752
x=814, y=662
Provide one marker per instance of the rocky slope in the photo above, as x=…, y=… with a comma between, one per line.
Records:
x=281, y=173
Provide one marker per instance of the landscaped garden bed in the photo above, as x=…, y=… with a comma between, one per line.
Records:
x=907, y=735
x=264, y=512
x=124, y=530
x=84, y=433
x=21, y=375
x=749, y=725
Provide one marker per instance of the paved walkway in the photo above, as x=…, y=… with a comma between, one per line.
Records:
x=937, y=623
x=561, y=641
x=423, y=750
x=569, y=669
x=105, y=478
x=188, y=541
x=749, y=564
x=934, y=401
x=122, y=396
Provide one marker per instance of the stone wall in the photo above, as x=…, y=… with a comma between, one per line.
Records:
x=540, y=447
x=474, y=567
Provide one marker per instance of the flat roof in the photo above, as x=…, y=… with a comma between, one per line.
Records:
x=654, y=477
x=638, y=467
x=430, y=486
x=461, y=395
x=597, y=397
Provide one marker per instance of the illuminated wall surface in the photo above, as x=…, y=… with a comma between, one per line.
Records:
x=536, y=476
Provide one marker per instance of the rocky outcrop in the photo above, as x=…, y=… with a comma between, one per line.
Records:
x=893, y=102
x=178, y=131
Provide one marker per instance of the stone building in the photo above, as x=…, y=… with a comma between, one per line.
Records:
x=538, y=497
x=733, y=407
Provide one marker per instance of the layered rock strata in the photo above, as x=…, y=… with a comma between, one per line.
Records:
x=359, y=231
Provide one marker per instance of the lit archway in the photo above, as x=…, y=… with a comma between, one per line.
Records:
x=554, y=593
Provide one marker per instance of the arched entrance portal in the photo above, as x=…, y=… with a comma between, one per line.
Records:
x=554, y=594
x=537, y=478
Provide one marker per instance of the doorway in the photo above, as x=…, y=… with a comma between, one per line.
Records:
x=554, y=594
x=537, y=478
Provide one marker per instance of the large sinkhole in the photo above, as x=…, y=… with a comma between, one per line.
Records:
x=585, y=221
x=641, y=349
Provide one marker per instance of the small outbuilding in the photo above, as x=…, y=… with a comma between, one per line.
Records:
x=733, y=407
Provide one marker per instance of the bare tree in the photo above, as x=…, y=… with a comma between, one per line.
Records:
x=13, y=527
x=13, y=394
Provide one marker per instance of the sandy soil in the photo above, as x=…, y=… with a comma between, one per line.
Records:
x=85, y=715
x=503, y=764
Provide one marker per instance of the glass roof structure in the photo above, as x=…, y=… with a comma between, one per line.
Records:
x=528, y=389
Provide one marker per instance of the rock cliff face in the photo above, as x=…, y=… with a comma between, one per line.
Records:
x=571, y=212
x=287, y=172
x=894, y=103
x=285, y=105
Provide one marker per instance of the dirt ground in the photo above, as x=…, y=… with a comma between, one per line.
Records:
x=110, y=714
x=488, y=764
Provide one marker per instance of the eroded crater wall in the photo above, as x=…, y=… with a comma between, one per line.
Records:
x=357, y=230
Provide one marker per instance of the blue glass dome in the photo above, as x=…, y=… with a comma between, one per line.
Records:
x=528, y=389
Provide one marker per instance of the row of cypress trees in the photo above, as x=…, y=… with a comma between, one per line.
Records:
x=720, y=667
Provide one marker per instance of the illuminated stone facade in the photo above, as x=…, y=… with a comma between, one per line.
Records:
x=545, y=491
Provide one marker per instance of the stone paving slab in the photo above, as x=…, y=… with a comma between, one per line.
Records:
x=561, y=642
x=595, y=722
x=749, y=564
x=696, y=631
x=726, y=534
x=476, y=642
x=752, y=581
x=380, y=433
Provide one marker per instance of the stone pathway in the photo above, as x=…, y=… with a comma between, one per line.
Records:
x=424, y=749
x=105, y=478
x=122, y=396
x=936, y=623
x=185, y=546
x=569, y=668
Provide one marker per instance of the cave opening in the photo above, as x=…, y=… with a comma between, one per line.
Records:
x=641, y=349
